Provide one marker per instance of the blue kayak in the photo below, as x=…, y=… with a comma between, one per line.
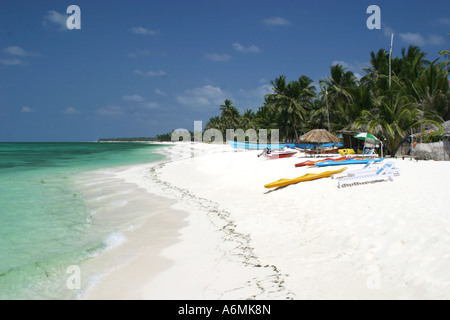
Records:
x=257, y=146
x=346, y=162
x=254, y=146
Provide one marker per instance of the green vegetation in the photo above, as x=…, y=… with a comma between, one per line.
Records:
x=412, y=97
x=159, y=138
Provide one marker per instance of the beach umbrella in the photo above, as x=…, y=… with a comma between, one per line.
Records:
x=365, y=135
x=319, y=136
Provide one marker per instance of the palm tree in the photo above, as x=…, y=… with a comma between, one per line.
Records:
x=378, y=79
x=230, y=115
x=215, y=123
x=396, y=95
x=247, y=119
x=430, y=92
x=363, y=99
x=378, y=72
x=393, y=119
x=277, y=102
x=290, y=101
x=318, y=116
x=444, y=64
x=307, y=94
x=413, y=63
x=266, y=119
x=337, y=92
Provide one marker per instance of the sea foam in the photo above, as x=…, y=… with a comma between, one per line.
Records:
x=115, y=239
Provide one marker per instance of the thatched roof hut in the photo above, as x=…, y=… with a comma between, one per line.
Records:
x=319, y=136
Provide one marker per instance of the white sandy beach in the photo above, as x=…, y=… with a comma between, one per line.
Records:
x=230, y=238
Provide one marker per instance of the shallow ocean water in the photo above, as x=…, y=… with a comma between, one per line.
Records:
x=47, y=224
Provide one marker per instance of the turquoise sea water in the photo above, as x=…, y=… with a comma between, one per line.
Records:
x=45, y=223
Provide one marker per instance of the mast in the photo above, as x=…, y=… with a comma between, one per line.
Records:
x=390, y=59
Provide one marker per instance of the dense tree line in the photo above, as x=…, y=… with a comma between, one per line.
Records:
x=159, y=137
x=396, y=96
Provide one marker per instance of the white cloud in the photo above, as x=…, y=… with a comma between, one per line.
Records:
x=11, y=62
x=16, y=52
x=252, y=98
x=160, y=92
x=276, y=21
x=26, y=110
x=250, y=49
x=259, y=92
x=150, y=73
x=417, y=39
x=436, y=40
x=150, y=105
x=134, y=97
x=444, y=21
x=138, y=53
x=420, y=40
x=110, y=111
x=387, y=31
x=206, y=96
x=20, y=52
x=413, y=38
x=56, y=18
x=144, y=31
x=264, y=89
x=71, y=110
x=220, y=57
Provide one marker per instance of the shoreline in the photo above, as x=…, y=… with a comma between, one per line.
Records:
x=140, y=225
x=386, y=240
x=195, y=260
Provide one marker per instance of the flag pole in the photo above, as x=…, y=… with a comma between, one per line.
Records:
x=390, y=76
x=390, y=59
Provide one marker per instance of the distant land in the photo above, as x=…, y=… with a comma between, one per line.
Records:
x=160, y=137
x=167, y=137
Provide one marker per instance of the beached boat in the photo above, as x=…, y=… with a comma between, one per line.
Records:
x=278, y=154
x=306, y=177
x=255, y=146
x=321, y=151
x=346, y=162
x=313, y=162
x=262, y=146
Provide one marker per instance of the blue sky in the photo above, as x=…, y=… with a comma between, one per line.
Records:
x=140, y=68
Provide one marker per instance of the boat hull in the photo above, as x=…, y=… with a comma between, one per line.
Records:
x=306, y=177
x=259, y=146
x=279, y=155
x=255, y=146
x=313, y=162
x=346, y=162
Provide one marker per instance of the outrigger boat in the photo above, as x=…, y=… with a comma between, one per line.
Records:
x=254, y=146
x=347, y=162
x=306, y=177
x=277, y=154
x=313, y=162
x=260, y=146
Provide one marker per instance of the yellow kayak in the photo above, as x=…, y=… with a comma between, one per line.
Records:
x=306, y=177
